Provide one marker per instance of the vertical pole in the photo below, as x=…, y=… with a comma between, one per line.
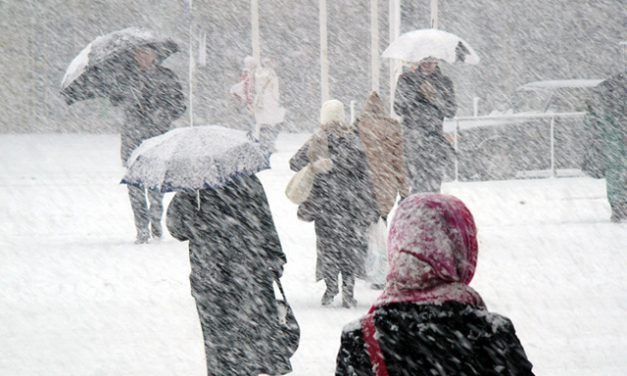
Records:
x=552, y=146
x=254, y=18
x=324, y=52
x=456, y=144
x=434, y=14
x=394, y=16
x=352, y=110
x=191, y=66
x=375, y=64
x=475, y=106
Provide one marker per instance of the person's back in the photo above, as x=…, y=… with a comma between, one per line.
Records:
x=428, y=320
x=427, y=339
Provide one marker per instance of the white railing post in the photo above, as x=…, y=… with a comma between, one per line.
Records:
x=456, y=146
x=553, y=146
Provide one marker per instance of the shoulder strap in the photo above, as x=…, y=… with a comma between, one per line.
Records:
x=372, y=346
x=278, y=283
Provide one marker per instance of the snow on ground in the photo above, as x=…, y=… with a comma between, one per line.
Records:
x=77, y=297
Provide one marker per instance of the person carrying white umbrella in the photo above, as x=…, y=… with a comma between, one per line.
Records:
x=424, y=97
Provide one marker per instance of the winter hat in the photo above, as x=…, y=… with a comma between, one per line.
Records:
x=250, y=62
x=432, y=251
x=332, y=111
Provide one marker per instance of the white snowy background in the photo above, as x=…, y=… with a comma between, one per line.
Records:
x=77, y=297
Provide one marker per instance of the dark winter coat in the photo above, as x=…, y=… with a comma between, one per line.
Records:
x=151, y=100
x=426, y=150
x=428, y=339
x=607, y=122
x=234, y=252
x=342, y=204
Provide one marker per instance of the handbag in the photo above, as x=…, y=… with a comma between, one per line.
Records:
x=288, y=338
x=301, y=184
x=376, y=260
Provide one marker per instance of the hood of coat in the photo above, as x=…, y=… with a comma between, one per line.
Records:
x=374, y=107
x=433, y=239
x=432, y=251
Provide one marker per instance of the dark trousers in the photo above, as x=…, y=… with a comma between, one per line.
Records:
x=348, y=284
x=146, y=212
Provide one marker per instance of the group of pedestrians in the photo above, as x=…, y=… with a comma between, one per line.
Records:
x=360, y=170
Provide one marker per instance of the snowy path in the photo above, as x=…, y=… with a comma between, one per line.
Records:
x=77, y=297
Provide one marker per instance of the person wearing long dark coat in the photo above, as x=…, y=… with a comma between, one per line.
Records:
x=424, y=97
x=235, y=255
x=607, y=121
x=341, y=203
x=428, y=320
x=152, y=98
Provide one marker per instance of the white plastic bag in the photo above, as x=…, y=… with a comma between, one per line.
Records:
x=376, y=262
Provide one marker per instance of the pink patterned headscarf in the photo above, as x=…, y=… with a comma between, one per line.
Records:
x=432, y=252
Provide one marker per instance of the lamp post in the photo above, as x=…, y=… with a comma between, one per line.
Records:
x=375, y=64
x=254, y=20
x=324, y=52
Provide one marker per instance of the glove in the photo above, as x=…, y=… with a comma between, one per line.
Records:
x=322, y=166
x=277, y=271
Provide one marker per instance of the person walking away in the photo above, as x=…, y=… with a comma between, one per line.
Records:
x=243, y=93
x=423, y=98
x=235, y=255
x=266, y=107
x=608, y=120
x=428, y=320
x=341, y=202
x=152, y=98
x=383, y=144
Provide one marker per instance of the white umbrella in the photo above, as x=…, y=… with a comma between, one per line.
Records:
x=419, y=44
x=191, y=158
x=95, y=69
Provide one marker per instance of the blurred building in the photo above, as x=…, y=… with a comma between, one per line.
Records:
x=518, y=41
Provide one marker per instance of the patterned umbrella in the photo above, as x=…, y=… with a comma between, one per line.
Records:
x=191, y=158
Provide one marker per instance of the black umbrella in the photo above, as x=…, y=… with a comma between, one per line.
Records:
x=99, y=66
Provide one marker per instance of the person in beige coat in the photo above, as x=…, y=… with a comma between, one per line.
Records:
x=383, y=144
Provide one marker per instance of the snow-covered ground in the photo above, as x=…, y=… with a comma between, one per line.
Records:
x=77, y=297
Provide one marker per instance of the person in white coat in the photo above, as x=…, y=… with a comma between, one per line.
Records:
x=266, y=105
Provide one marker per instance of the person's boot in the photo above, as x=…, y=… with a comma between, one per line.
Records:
x=155, y=229
x=348, y=289
x=143, y=237
x=331, y=291
x=619, y=212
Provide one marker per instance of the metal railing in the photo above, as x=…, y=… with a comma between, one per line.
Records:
x=519, y=117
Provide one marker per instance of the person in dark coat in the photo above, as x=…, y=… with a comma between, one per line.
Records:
x=424, y=97
x=607, y=122
x=152, y=98
x=341, y=203
x=428, y=321
x=235, y=256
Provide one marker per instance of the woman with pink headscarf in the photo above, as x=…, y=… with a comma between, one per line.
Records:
x=428, y=320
